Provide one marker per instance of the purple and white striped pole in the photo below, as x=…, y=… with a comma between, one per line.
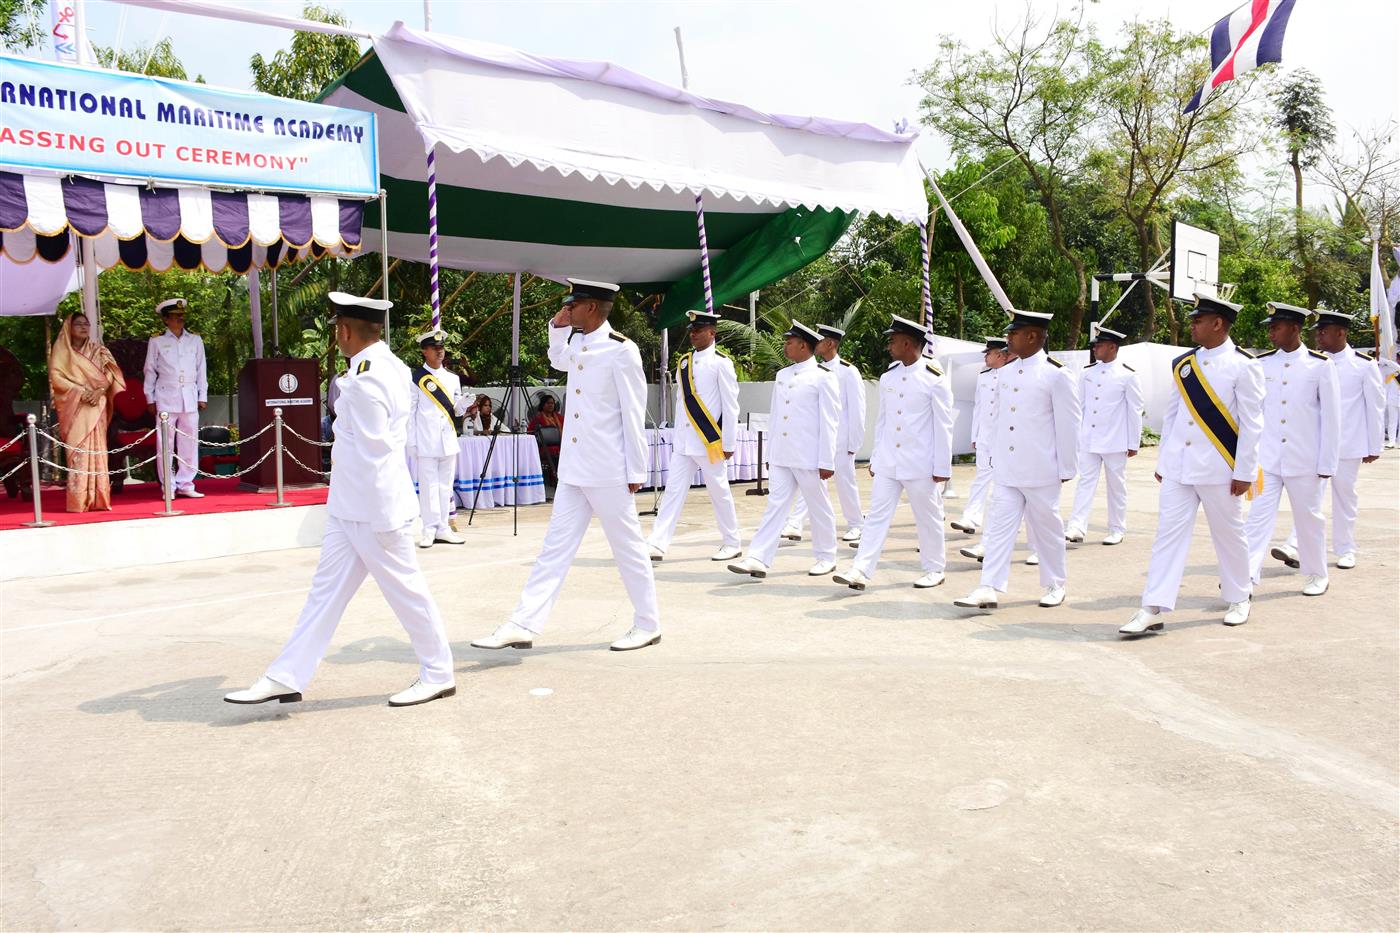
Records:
x=927, y=290
x=704, y=252
x=433, y=236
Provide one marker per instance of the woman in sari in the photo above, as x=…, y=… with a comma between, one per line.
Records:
x=84, y=378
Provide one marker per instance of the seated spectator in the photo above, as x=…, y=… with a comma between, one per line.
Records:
x=548, y=416
x=479, y=418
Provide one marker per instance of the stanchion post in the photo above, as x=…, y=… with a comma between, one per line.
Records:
x=30, y=421
x=167, y=464
x=277, y=456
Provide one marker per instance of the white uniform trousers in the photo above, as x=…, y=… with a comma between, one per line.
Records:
x=436, y=476
x=349, y=550
x=1305, y=499
x=1040, y=506
x=186, y=448
x=1344, y=504
x=784, y=485
x=847, y=492
x=1115, y=468
x=574, y=508
x=925, y=501
x=1392, y=422
x=1176, y=516
x=668, y=514
x=975, y=509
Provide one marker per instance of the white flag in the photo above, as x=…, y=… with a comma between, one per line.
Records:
x=63, y=33
x=1382, y=310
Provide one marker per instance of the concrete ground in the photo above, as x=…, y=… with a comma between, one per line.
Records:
x=793, y=755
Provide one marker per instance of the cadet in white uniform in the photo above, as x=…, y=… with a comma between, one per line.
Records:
x=850, y=436
x=913, y=454
x=1033, y=453
x=804, y=427
x=1298, y=449
x=369, y=520
x=1390, y=378
x=177, y=383
x=983, y=411
x=438, y=406
x=1110, y=432
x=602, y=463
x=1209, y=457
x=1362, y=433
x=704, y=439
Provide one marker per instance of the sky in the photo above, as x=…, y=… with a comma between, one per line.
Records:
x=848, y=59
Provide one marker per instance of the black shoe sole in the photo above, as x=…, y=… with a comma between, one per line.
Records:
x=1278, y=554
x=280, y=698
x=517, y=645
x=654, y=641
x=760, y=574
x=1150, y=628
x=449, y=692
x=837, y=578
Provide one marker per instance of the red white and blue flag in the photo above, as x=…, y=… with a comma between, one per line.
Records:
x=1249, y=37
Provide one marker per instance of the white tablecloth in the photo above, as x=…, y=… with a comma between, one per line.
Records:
x=496, y=488
x=742, y=466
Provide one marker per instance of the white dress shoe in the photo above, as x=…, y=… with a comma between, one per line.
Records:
x=1347, y=561
x=1144, y=620
x=1114, y=537
x=852, y=578
x=1074, y=536
x=951, y=493
x=262, y=691
x=636, y=638
x=1032, y=559
x=190, y=493
x=821, y=568
x=967, y=527
x=1054, y=596
x=1286, y=554
x=975, y=551
x=1315, y=586
x=726, y=553
x=751, y=566
x=509, y=635
x=1237, y=613
x=791, y=533
x=928, y=581
x=420, y=692
x=984, y=597
x=426, y=539
x=852, y=534
x=448, y=536
x=655, y=553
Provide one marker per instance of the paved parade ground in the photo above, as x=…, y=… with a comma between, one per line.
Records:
x=793, y=755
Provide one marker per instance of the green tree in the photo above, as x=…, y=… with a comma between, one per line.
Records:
x=159, y=60
x=313, y=61
x=22, y=23
x=1304, y=120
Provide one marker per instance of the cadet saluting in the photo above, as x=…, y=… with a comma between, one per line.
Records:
x=602, y=462
x=369, y=520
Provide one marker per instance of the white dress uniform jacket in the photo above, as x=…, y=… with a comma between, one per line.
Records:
x=176, y=379
x=1111, y=398
x=1362, y=400
x=718, y=387
x=1301, y=413
x=431, y=433
x=914, y=428
x=805, y=423
x=1187, y=454
x=604, y=441
x=1036, y=438
x=370, y=481
x=851, y=435
x=984, y=411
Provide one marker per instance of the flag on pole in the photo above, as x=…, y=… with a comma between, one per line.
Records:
x=1382, y=311
x=1249, y=37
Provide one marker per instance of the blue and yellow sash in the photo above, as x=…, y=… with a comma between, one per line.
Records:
x=1210, y=412
x=435, y=391
x=706, y=425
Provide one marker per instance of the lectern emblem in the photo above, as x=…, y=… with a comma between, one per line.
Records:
x=287, y=382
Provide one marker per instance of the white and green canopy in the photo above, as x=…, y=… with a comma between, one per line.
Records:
x=575, y=168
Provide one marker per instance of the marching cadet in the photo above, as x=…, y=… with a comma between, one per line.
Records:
x=1362, y=402
x=1033, y=453
x=177, y=383
x=913, y=454
x=1209, y=456
x=804, y=430
x=438, y=407
x=705, y=438
x=1110, y=432
x=849, y=438
x=983, y=408
x=1390, y=378
x=602, y=463
x=369, y=519
x=1298, y=448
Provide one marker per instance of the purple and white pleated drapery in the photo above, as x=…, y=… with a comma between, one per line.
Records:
x=434, y=272
x=704, y=252
x=188, y=228
x=925, y=290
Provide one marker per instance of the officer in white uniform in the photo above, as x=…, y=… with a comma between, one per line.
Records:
x=704, y=438
x=1362, y=433
x=1208, y=457
x=369, y=520
x=804, y=430
x=602, y=463
x=850, y=438
x=913, y=454
x=438, y=406
x=1390, y=378
x=177, y=382
x=1298, y=449
x=1110, y=432
x=1033, y=453
x=983, y=410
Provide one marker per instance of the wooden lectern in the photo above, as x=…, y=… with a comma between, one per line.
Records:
x=295, y=387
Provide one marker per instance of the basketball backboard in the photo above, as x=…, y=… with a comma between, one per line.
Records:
x=1195, y=262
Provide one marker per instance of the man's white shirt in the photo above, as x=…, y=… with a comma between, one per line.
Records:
x=1187, y=453
x=370, y=481
x=175, y=374
x=851, y=433
x=1362, y=400
x=1036, y=434
x=1301, y=413
x=431, y=432
x=1111, y=405
x=804, y=425
x=717, y=385
x=603, y=442
x=914, y=427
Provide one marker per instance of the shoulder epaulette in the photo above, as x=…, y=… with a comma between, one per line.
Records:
x=1366, y=356
x=1248, y=354
x=933, y=369
x=614, y=335
x=1182, y=357
x=1092, y=365
x=845, y=362
x=362, y=368
x=822, y=367
x=1129, y=368
x=893, y=365
x=1317, y=355
x=1258, y=356
x=987, y=370
x=1055, y=363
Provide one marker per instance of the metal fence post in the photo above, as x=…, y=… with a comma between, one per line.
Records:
x=29, y=421
x=277, y=445
x=167, y=462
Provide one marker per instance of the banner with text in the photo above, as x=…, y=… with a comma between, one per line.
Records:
x=88, y=121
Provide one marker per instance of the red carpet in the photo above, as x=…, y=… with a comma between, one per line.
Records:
x=142, y=500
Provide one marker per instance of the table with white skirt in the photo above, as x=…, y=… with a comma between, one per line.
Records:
x=514, y=454
x=742, y=466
